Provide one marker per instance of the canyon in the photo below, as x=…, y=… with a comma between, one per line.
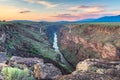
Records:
x=57, y=51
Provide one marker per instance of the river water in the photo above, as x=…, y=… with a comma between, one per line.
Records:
x=55, y=43
x=56, y=48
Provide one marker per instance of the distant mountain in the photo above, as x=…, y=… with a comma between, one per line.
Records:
x=102, y=19
x=109, y=19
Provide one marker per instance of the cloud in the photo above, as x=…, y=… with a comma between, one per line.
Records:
x=49, y=5
x=26, y=11
x=78, y=16
x=65, y=16
x=43, y=2
x=87, y=8
x=86, y=15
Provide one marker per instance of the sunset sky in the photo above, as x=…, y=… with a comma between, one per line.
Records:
x=57, y=10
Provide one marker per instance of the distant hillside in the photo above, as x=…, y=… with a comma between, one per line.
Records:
x=109, y=19
x=22, y=21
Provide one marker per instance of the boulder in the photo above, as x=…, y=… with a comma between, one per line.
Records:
x=46, y=71
x=94, y=64
x=86, y=65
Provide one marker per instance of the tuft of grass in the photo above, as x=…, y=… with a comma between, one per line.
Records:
x=16, y=74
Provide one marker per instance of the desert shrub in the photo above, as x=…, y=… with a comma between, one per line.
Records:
x=16, y=74
x=33, y=51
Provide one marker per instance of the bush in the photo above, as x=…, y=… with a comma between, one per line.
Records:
x=16, y=74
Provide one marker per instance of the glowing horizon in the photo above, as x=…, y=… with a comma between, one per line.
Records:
x=57, y=10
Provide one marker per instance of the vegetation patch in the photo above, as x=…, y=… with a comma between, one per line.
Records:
x=16, y=74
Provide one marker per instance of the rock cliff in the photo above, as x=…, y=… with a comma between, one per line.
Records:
x=79, y=42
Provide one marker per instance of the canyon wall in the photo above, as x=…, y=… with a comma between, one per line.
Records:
x=79, y=42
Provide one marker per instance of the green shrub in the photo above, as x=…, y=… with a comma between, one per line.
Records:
x=33, y=51
x=16, y=74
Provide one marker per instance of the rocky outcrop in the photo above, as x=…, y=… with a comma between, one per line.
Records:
x=89, y=69
x=94, y=69
x=110, y=75
x=46, y=71
x=24, y=61
x=90, y=41
x=36, y=66
x=89, y=64
x=41, y=70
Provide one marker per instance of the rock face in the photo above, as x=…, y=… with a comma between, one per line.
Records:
x=94, y=69
x=90, y=41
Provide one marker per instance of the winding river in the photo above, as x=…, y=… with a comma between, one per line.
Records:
x=56, y=48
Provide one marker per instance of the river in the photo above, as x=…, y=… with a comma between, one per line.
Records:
x=56, y=48
x=55, y=43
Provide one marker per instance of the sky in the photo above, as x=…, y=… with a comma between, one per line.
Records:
x=57, y=10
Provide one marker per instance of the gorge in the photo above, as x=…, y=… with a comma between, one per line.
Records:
x=62, y=51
